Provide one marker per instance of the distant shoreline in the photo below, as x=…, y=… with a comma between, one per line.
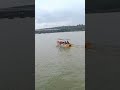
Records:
x=58, y=32
x=61, y=29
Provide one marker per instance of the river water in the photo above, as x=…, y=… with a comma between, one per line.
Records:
x=59, y=68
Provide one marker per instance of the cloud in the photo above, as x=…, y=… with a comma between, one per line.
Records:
x=61, y=12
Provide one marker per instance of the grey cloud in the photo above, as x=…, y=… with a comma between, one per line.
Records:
x=59, y=16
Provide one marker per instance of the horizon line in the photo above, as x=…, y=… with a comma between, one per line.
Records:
x=59, y=26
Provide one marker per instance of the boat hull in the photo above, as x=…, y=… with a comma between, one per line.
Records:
x=65, y=46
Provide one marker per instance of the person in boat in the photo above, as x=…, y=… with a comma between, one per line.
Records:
x=61, y=42
x=67, y=42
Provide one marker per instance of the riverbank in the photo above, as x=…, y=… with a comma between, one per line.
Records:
x=61, y=29
x=44, y=32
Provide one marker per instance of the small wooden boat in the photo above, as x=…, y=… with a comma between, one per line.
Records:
x=63, y=43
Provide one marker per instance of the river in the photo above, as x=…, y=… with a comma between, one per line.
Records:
x=59, y=68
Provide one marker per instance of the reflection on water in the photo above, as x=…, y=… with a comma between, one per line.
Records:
x=58, y=68
x=63, y=49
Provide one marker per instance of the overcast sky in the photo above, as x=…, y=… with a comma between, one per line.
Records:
x=51, y=13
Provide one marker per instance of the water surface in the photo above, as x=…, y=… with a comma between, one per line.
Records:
x=59, y=68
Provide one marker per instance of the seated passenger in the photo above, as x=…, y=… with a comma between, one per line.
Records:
x=65, y=42
x=68, y=42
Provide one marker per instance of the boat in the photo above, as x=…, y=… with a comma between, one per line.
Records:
x=63, y=43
